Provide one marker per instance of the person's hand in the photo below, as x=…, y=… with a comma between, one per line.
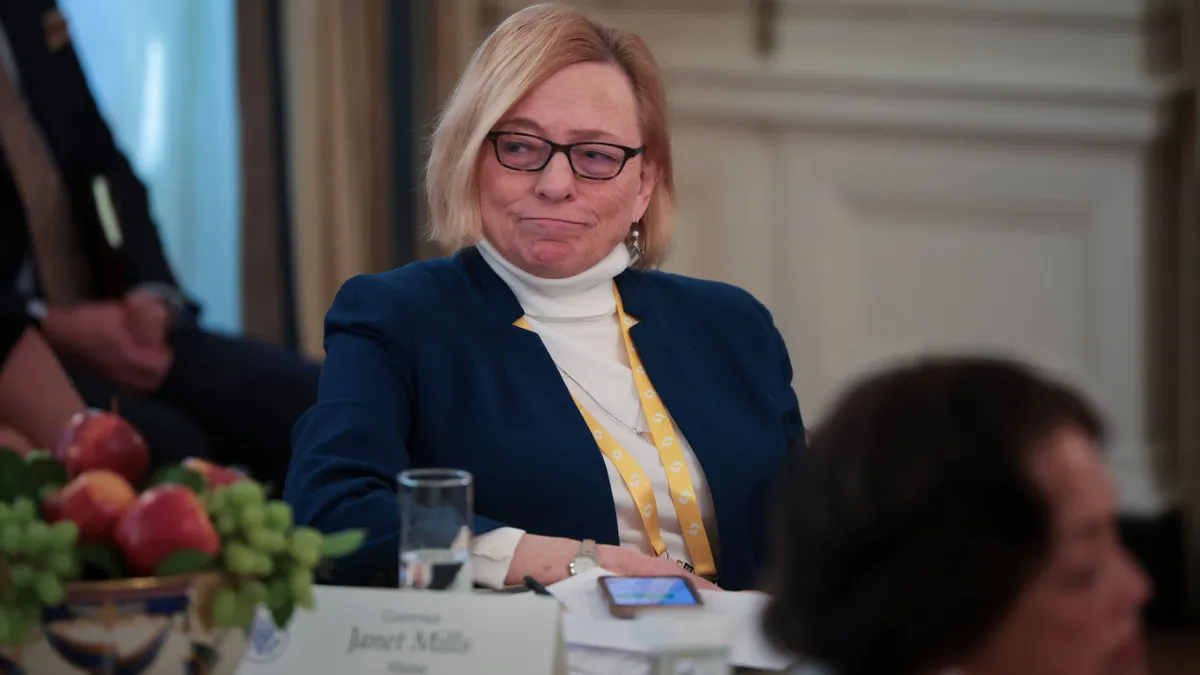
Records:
x=148, y=318
x=546, y=559
x=630, y=563
x=99, y=336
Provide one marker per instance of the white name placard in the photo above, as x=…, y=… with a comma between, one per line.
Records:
x=393, y=632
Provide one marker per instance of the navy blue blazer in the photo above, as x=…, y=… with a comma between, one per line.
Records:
x=425, y=368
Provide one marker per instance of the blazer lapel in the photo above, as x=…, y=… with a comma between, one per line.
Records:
x=522, y=346
x=663, y=358
x=524, y=349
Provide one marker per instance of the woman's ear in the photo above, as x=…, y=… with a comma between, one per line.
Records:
x=649, y=180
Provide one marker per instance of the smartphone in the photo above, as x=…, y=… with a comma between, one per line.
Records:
x=627, y=596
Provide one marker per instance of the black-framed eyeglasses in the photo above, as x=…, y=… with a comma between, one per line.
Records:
x=590, y=160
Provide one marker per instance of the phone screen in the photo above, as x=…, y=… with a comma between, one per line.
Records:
x=642, y=591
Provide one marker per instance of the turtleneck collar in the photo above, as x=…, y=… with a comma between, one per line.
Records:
x=585, y=295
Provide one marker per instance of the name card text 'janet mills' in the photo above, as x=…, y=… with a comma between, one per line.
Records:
x=393, y=632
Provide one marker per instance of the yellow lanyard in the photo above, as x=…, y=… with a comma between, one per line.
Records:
x=666, y=440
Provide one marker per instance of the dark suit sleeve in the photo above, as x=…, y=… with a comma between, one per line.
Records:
x=796, y=433
x=349, y=448
x=145, y=260
x=797, y=443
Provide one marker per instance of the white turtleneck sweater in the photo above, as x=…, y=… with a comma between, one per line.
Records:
x=576, y=318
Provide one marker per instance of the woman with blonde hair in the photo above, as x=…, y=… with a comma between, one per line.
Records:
x=611, y=414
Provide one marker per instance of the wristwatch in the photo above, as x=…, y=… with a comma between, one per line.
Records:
x=586, y=560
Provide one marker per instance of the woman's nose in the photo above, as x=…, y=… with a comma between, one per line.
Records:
x=557, y=180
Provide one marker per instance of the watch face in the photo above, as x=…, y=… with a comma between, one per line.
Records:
x=582, y=564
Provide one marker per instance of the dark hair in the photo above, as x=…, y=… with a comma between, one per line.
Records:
x=911, y=522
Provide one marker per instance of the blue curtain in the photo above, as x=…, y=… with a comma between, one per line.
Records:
x=164, y=73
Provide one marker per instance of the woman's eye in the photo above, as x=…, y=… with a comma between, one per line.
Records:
x=515, y=148
x=599, y=156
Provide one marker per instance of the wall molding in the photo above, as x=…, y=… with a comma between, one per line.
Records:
x=1134, y=11
x=1123, y=112
x=1110, y=11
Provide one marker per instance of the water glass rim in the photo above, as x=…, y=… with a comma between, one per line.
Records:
x=434, y=478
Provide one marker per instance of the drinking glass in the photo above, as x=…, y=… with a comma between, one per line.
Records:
x=436, y=509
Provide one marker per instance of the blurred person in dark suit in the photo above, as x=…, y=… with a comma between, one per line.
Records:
x=81, y=258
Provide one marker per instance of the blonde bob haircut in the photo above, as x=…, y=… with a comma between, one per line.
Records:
x=523, y=51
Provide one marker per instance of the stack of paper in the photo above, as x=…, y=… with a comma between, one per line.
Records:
x=599, y=644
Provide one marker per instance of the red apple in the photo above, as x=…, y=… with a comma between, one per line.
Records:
x=165, y=519
x=102, y=440
x=217, y=475
x=95, y=500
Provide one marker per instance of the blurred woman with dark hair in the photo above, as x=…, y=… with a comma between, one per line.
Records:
x=956, y=516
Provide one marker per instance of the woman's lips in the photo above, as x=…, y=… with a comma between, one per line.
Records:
x=553, y=222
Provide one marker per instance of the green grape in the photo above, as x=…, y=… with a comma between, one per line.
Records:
x=64, y=565
x=266, y=540
x=264, y=566
x=220, y=501
x=245, y=493
x=240, y=559
x=226, y=523
x=6, y=513
x=306, y=600
x=308, y=535
x=255, y=592
x=247, y=604
x=49, y=589
x=306, y=546
x=251, y=517
x=278, y=516
x=301, y=583
x=23, y=510
x=37, y=537
x=21, y=575
x=260, y=550
x=12, y=538
x=225, y=607
x=306, y=557
x=64, y=535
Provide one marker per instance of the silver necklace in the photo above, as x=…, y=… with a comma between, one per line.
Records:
x=635, y=429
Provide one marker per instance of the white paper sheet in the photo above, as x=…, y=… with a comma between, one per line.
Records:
x=596, y=641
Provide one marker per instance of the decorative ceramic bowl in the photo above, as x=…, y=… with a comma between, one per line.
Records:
x=146, y=626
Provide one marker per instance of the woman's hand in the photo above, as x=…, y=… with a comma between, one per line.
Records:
x=630, y=563
x=543, y=558
x=546, y=559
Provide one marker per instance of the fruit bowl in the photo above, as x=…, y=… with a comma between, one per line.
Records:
x=105, y=571
x=141, y=626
